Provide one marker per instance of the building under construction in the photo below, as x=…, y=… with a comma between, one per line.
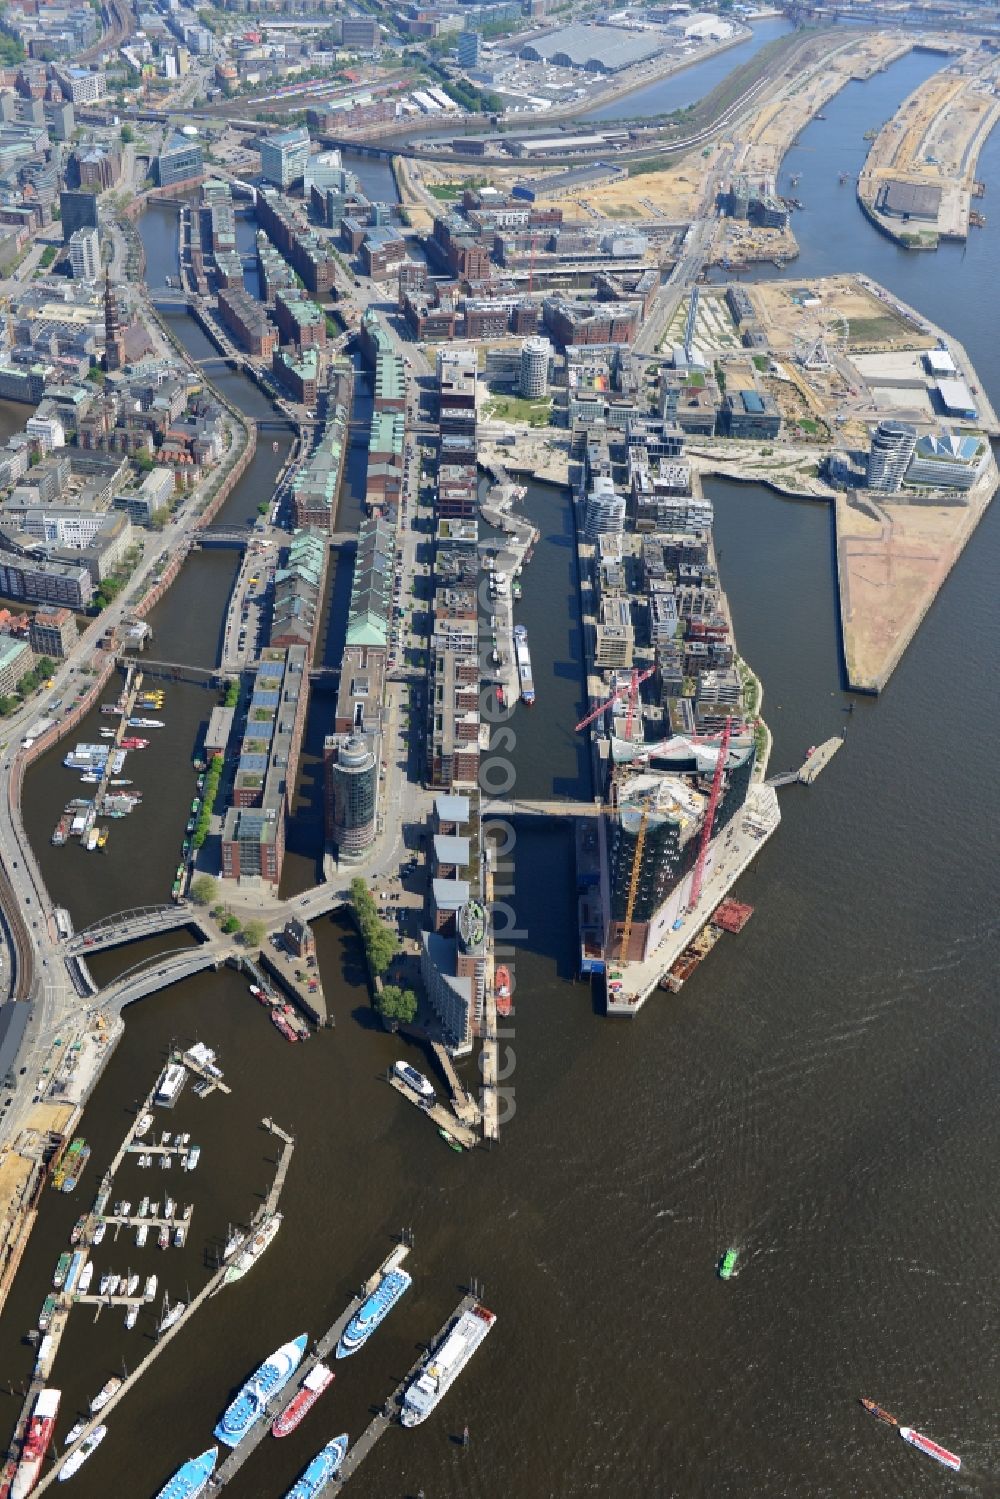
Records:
x=655, y=834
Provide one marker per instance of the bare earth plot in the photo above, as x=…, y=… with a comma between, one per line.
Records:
x=891, y=560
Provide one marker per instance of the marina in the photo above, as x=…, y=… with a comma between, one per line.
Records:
x=169, y=1324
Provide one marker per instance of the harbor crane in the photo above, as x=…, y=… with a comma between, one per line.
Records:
x=631, y=687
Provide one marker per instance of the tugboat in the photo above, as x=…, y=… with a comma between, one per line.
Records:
x=878, y=1412
x=727, y=1265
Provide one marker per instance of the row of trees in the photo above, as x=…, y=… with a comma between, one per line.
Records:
x=381, y=942
x=393, y=1004
x=212, y=778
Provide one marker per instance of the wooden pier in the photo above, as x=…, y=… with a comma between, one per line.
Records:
x=440, y=1115
x=389, y=1413
x=319, y=1352
x=288, y=1145
x=186, y=1060
x=462, y=1101
x=132, y=1379
x=138, y=1148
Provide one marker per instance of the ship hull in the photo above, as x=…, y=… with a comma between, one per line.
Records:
x=246, y=1410
x=373, y=1313
x=930, y=1449
x=192, y=1479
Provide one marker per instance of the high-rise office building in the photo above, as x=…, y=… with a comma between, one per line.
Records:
x=469, y=43
x=283, y=156
x=181, y=160
x=77, y=211
x=352, y=794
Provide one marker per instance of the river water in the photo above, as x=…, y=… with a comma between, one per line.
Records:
x=821, y=1093
x=678, y=90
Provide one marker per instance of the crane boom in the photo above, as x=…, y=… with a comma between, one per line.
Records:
x=632, y=688
x=713, y=802
x=633, y=884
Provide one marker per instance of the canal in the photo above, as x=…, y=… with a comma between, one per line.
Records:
x=821, y=1093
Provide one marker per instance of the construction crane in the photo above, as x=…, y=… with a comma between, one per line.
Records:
x=706, y=831
x=632, y=688
x=633, y=884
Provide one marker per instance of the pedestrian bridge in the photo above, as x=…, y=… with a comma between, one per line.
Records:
x=130, y=926
x=496, y=808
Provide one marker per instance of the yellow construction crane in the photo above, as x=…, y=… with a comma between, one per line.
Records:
x=633, y=884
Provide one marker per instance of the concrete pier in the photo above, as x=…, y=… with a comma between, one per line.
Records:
x=819, y=759
x=319, y=1352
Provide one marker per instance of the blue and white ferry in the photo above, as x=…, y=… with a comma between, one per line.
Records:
x=322, y=1468
x=251, y=1402
x=393, y=1285
x=191, y=1480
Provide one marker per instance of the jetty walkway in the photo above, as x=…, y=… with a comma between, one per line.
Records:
x=442, y=1118
x=389, y=1413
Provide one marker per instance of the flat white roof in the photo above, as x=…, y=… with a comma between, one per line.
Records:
x=956, y=395
x=940, y=362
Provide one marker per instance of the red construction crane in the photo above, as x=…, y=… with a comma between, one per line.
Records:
x=713, y=802
x=632, y=688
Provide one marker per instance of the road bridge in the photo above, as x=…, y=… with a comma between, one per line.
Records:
x=129, y=926
x=160, y=972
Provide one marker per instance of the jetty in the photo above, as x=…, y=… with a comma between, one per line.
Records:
x=462, y=1101
x=812, y=766
x=319, y=1352
x=389, y=1413
x=440, y=1115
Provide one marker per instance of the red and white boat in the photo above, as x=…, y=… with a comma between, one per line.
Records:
x=278, y=1019
x=502, y=985
x=261, y=995
x=36, y=1443
x=932, y=1449
x=316, y=1381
